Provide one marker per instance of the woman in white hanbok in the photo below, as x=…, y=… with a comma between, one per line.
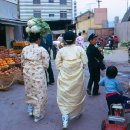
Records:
x=70, y=61
x=35, y=61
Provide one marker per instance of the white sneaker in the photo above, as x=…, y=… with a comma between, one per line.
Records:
x=30, y=113
x=30, y=110
x=36, y=119
x=65, y=119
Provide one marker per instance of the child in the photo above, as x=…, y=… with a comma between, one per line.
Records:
x=113, y=89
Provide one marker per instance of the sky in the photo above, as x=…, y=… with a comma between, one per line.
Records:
x=114, y=7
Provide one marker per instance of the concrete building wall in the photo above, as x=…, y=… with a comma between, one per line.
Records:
x=8, y=10
x=18, y=33
x=85, y=16
x=86, y=25
x=100, y=15
x=122, y=30
x=13, y=33
x=27, y=8
x=9, y=35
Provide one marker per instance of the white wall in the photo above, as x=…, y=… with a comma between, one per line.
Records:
x=122, y=30
x=9, y=35
x=8, y=10
x=27, y=7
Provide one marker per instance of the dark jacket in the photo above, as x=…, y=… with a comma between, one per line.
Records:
x=93, y=55
x=46, y=42
x=49, y=40
x=43, y=43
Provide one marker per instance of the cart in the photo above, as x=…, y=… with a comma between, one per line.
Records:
x=116, y=120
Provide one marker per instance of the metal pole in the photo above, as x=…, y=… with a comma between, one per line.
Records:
x=99, y=3
x=18, y=9
x=129, y=54
x=90, y=19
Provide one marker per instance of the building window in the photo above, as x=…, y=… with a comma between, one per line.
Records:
x=63, y=14
x=51, y=15
x=62, y=1
x=51, y=1
x=37, y=14
x=36, y=1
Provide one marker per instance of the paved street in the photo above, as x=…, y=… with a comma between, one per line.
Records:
x=13, y=114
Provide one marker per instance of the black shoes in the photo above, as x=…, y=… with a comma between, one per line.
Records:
x=88, y=92
x=50, y=83
x=95, y=94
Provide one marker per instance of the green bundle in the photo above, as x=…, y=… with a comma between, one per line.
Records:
x=37, y=25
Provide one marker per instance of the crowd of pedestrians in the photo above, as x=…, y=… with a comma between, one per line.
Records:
x=70, y=61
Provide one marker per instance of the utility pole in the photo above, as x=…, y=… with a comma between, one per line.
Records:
x=99, y=1
x=18, y=9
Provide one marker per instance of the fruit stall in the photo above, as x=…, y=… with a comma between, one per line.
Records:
x=19, y=45
x=10, y=65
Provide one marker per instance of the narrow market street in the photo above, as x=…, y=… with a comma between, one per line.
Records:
x=13, y=109
x=35, y=32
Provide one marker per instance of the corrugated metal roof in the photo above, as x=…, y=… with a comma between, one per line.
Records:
x=126, y=16
x=12, y=22
x=87, y=12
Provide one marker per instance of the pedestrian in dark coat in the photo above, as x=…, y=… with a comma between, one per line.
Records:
x=46, y=43
x=94, y=55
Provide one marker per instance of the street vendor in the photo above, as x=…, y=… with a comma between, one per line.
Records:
x=35, y=60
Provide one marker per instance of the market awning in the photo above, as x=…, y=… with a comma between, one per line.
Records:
x=12, y=22
x=59, y=24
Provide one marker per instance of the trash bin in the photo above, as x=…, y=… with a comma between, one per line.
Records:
x=129, y=54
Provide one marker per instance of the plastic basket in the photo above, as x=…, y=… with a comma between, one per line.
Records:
x=18, y=65
x=18, y=77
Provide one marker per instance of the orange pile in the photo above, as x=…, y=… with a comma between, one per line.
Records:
x=3, y=64
x=9, y=61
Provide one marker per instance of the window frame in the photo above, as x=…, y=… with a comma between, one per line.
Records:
x=51, y=1
x=63, y=2
x=35, y=12
x=36, y=1
x=63, y=14
x=51, y=15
